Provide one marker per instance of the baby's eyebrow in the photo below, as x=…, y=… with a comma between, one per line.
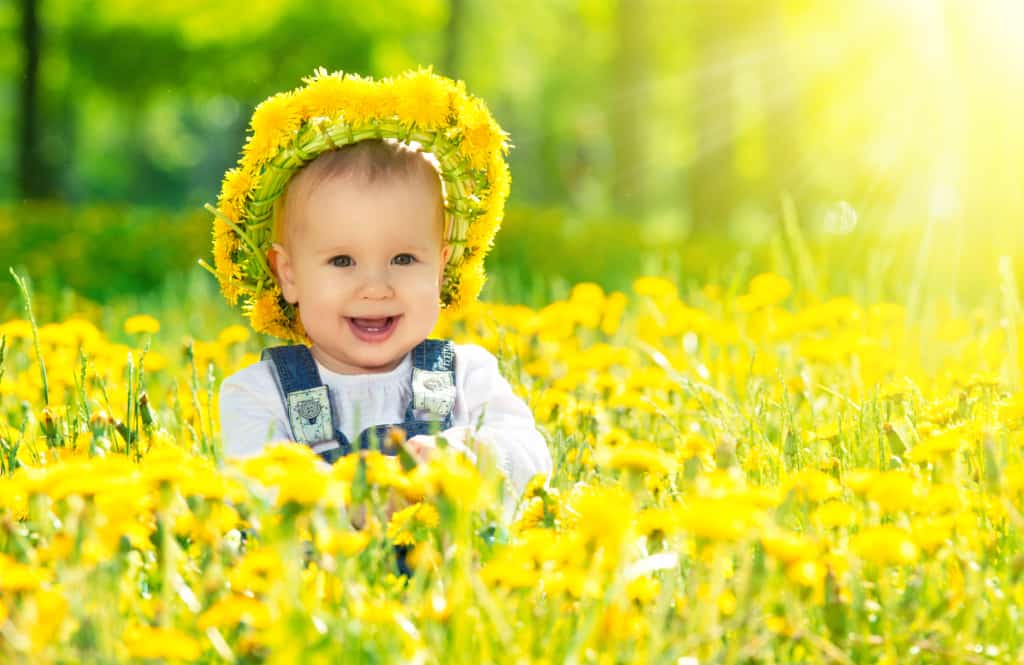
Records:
x=334, y=250
x=397, y=249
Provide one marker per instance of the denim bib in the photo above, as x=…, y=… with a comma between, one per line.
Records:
x=307, y=401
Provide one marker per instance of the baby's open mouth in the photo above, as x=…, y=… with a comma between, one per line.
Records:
x=375, y=329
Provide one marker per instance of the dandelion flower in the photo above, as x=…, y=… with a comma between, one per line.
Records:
x=422, y=98
x=141, y=324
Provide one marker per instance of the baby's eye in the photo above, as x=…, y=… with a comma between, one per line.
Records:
x=404, y=259
x=342, y=261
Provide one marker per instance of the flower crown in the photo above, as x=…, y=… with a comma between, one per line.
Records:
x=332, y=110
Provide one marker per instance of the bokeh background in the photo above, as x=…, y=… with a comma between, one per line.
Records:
x=871, y=148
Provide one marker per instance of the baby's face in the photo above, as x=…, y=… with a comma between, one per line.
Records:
x=365, y=262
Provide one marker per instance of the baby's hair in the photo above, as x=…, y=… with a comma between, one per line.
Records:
x=371, y=159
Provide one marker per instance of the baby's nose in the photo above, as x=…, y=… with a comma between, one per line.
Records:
x=377, y=285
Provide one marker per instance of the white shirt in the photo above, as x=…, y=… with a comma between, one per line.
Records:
x=252, y=413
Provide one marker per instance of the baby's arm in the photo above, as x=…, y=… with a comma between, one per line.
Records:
x=251, y=412
x=507, y=432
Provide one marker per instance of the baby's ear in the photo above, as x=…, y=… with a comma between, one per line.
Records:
x=281, y=266
x=446, y=253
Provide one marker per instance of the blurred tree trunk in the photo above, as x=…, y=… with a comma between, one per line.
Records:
x=452, y=33
x=711, y=179
x=33, y=177
x=629, y=89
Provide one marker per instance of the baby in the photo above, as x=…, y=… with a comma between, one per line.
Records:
x=359, y=251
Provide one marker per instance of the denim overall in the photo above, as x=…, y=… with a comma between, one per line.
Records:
x=308, y=406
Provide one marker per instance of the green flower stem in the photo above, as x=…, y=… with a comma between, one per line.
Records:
x=207, y=267
x=243, y=235
x=23, y=288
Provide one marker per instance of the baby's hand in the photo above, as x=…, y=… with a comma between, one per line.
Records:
x=423, y=446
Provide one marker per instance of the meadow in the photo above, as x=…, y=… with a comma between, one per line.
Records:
x=745, y=472
x=758, y=279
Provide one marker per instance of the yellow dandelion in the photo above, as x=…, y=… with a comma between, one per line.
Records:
x=860, y=480
x=482, y=230
x=459, y=481
x=511, y=572
x=422, y=98
x=234, y=609
x=238, y=185
x=233, y=335
x=227, y=277
x=15, y=576
x=345, y=543
x=641, y=456
x=486, y=225
x=277, y=459
x=884, y=545
x=788, y=546
x=813, y=485
x=941, y=444
x=381, y=100
x=145, y=642
x=834, y=514
x=643, y=590
x=657, y=522
x=141, y=324
x=531, y=514
x=654, y=287
x=894, y=491
x=471, y=281
x=500, y=177
x=769, y=288
x=323, y=96
x=258, y=150
x=931, y=534
x=723, y=519
x=267, y=316
x=225, y=242
x=808, y=573
x=359, y=102
x=381, y=611
x=428, y=516
x=398, y=529
x=167, y=465
x=480, y=135
x=16, y=329
x=256, y=571
x=384, y=470
x=403, y=538
x=307, y=488
x=603, y=516
x=277, y=118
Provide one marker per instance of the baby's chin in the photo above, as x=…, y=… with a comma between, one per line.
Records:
x=360, y=363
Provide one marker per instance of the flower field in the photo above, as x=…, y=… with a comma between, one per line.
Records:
x=743, y=475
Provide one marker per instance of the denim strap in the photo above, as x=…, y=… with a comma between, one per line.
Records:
x=306, y=399
x=434, y=354
x=294, y=368
x=433, y=384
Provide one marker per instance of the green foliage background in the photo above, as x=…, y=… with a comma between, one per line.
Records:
x=650, y=135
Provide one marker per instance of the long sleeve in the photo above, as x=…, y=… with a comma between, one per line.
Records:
x=251, y=412
x=505, y=422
